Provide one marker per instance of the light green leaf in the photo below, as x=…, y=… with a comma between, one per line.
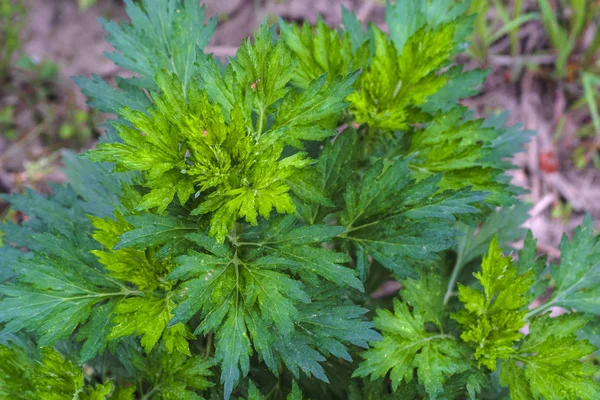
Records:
x=551, y=357
x=395, y=83
x=407, y=346
x=148, y=317
x=492, y=319
x=578, y=275
x=321, y=50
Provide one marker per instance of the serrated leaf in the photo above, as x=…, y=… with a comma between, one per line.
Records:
x=107, y=99
x=253, y=301
x=407, y=17
x=431, y=305
x=51, y=377
x=459, y=85
x=398, y=221
x=56, y=290
x=397, y=81
x=578, y=275
x=492, y=319
x=150, y=230
x=95, y=332
x=295, y=394
x=461, y=149
x=504, y=224
x=254, y=393
x=321, y=50
x=335, y=166
x=407, y=347
x=551, y=357
x=148, y=317
x=162, y=34
x=302, y=113
x=133, y=265
x=177, y=375
x=331, y=322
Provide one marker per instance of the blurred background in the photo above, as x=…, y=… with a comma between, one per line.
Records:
x=543, y=56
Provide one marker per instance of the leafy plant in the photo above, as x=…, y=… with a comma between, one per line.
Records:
x=489, y=30
x=253, y=208
x=565, y=33
x=12, y=14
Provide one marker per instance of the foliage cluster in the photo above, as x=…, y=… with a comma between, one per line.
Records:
x=226, y=237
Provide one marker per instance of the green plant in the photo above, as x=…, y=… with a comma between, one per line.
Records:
x=254, y=207
x=488, y=30
x=567, y=22
x=565, y=33
x=591, y=82
x=7, y=123
x=12, y=14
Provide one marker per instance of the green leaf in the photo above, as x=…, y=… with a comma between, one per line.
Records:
x=262, y=69
x=305, y=184
x=331, y=322
x=321, y=50
x=335, y=167
x=551, y=357
x=254, y=393
x=462, y=150
x=100, y=392
x=355, y=30
x=216, y=291
x=150, y=230
x=302, y=112
x=16, y=373
x=148, y=317
x=96, y=331
x=379, y=390
x=578, y=275
x=124, y=393
x=162, y=34
x=91, y=190
x=52, y=377
x=56, y=289
x=431, y=306
x=407, y=17
x=492, y=319
x=396, y=82
x=57, y=376
x=400, y=222
x=158, y=152
x=177, y=375
x=295, y=394
x=107, y=99
x=248, y=294
x=137, y=266
x=528, y=260
x=407, y=346
x=514, y=377
x=101, y=193
x=60, y=284
x=284, y=249
x=459, y=85
x=505, y=224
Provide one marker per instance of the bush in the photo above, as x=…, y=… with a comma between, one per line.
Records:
x=255, y=211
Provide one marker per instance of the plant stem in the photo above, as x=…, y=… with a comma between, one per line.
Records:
x=261, y=122
x=147, y=395
x=455, y=272
x=540, y=309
